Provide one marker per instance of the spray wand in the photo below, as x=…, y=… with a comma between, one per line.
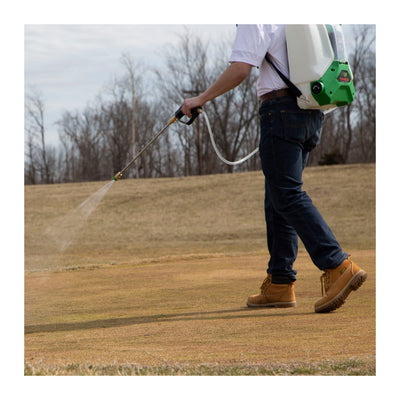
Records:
x=177, y=117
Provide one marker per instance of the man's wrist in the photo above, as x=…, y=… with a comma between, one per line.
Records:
x=203, y=98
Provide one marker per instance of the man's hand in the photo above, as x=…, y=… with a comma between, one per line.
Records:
x=191, y=103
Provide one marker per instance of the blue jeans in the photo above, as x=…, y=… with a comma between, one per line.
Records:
x=288, y=134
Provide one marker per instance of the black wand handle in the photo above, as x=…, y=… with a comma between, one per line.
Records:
x=194, y=111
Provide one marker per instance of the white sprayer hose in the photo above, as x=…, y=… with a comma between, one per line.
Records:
x=242, y=160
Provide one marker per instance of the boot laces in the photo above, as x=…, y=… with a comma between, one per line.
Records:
x=265, y=283
x=325, y=282
x=326, y=278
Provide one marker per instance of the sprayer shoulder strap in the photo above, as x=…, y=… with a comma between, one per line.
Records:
x=294, y=89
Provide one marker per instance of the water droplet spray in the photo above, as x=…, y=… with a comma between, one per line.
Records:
x=66, y=228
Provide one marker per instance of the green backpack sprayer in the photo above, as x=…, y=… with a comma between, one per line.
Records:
x=320, y=74
x=320, y=77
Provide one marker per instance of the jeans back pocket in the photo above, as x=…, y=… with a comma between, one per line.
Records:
x=296, y=125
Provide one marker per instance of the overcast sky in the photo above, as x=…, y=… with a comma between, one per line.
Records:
x=70, y=64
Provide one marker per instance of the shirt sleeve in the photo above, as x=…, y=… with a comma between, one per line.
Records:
x=250, y=45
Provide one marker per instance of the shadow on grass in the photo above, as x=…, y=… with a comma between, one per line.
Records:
x=117, y=322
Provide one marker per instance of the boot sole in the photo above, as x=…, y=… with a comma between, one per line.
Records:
x=358, y=279
x=273, y=305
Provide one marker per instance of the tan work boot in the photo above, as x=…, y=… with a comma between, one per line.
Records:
x=337, y=284
x=273, y=295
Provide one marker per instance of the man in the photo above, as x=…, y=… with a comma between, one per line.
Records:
x=288, y=134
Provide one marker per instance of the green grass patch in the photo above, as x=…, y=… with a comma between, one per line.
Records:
x=351, y=367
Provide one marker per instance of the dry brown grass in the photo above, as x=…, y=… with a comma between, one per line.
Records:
x=159, y=277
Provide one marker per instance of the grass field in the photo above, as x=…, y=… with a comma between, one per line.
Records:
x=156, y=280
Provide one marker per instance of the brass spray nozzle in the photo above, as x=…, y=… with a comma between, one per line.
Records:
x=172, y=120
x=117, y=176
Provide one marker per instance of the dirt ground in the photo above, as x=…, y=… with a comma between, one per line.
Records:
x=190, y=312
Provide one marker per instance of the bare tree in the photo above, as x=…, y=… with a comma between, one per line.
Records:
x=364, y=107
x=349, y=132
x=185, y=75
x=115, y=116
x=236, y=121
x=38, y=160
x=356, y=112
x=133, y=80
x=31, y=164
x=189, y=71
x=82, y=130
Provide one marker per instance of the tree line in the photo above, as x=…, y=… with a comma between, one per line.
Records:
x=101, y=139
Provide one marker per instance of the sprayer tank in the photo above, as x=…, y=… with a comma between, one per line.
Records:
x=314, y=50
x=310, y=52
